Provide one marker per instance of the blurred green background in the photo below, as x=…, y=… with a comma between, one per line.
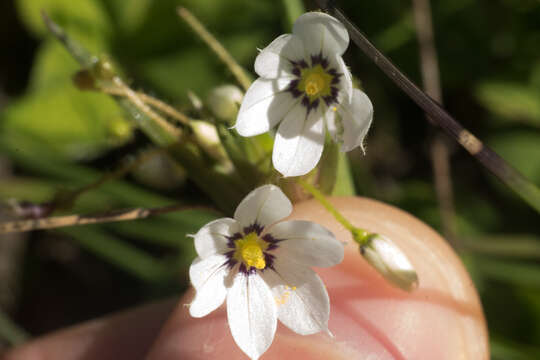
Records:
x=54, y=138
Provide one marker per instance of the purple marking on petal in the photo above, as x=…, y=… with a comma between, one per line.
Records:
x=269, y=260
x=256, y=228
x=293, y=84
x=328, y=100
x=272, y=247
x=303, y=64
x=296, y=93
x=296, y=71
x=245, y=270
x=324, y=63
x=231, y=263
x=271, y=239
x=305, y=102
x=232, y=239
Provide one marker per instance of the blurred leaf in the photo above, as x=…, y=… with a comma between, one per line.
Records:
x=56, y=114
x=119, y=253
x=505, y=350
x=76, y=125
x=521, y=149
x=516, y=273
x=44, y=161
x=293, y=9
x=191, y=69
x=511, y=101
x=535, y=76
x=511, y=245
x=129, y=15
x=87, y=15
x=10, y=331
x=54, y=66
x=169, y=232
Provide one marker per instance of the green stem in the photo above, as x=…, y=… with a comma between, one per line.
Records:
x=359, y=235
x=11, y=332
x=239, y=73
x=293, y=9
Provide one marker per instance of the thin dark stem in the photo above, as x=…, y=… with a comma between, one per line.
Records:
x=487, y=157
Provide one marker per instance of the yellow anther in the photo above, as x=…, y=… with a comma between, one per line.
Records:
x=249, y=250
x=252, y=255
x=314, y=84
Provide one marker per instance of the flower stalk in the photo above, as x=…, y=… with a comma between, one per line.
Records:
x=516, y=181
x=239, y=73
x=360, y=236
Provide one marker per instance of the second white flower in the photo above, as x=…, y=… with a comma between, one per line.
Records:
x=305, y=87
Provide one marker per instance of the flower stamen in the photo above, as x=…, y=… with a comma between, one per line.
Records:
x=250, y=251
x=315, y=82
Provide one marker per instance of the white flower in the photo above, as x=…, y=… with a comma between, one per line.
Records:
x=263, y=270
x=305, y=85
x=381, y=253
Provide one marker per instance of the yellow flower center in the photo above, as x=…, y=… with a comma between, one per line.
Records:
x=315, y=82
x=249, y=250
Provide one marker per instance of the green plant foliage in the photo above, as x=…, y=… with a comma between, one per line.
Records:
x=55, y=138
x=511, y=102
x=87, y=15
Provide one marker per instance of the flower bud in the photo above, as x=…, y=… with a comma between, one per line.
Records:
x=208, y=139
x=381, y=253
x=224, y=102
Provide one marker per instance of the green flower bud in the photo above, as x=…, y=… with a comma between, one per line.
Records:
x=381, y=253
x=208, y=139
x=224, y=102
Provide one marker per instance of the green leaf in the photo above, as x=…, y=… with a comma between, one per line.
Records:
x=511, y=102
x=55, y=67
x=510, y=245
x=77, y=125
x=521, y=149
x=119, y=253
x=502, y=349
x=87, y=15
x=293, y=9
x=10, y=331
x=129, y=15
x=523, y=274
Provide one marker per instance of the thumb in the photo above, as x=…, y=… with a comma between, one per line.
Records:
x=370, y=319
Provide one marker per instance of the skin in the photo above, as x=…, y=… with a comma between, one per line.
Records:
x=370, y=319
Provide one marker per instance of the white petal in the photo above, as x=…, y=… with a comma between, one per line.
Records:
x=307, y=243
x=202, y=269
x=303, y=303
x=208, y=278
x=275, y=60
x=334, y=124
x=212, y=238
x=321, y=33
x=265, y=103
x=299, y=142
x=265, y=205
x=252, y=314
x=356, y=119
x=345, y=80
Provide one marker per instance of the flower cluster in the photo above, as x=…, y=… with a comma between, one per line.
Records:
x=262, y=269
x=305, y=87
x=259, y=266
